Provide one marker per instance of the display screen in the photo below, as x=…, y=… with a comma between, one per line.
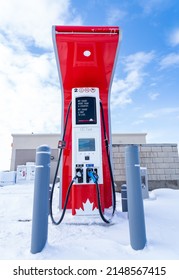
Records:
x=86, y=144
x=86, y=110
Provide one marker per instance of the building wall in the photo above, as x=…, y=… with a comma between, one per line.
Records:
x=161, y=160
x=129, y=138
x=24, y=145
x=24, y=149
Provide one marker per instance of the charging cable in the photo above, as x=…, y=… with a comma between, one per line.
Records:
x=95, y=177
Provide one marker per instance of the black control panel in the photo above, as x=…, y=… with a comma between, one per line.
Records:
x=86, y=110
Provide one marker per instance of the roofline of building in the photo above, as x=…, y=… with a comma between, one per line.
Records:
x=56, y=134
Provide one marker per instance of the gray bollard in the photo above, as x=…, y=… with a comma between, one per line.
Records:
x=135, y=201
x=124, y=198
x=41, y=199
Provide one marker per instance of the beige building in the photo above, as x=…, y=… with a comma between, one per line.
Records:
x=24, y=145
x=161, y=160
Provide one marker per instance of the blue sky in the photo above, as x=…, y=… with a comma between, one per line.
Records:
x=144, y=95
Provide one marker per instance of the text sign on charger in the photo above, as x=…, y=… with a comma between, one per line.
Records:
x=86, y=110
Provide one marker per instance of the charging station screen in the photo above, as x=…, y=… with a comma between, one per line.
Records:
x=86, y=110
x=86, y=144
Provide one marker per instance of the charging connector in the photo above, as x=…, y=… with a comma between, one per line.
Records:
x=93, y=176
x=79, y=175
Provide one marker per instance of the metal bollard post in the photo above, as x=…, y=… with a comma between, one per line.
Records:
x=135, y=201
x=124, y=198
x=41, y=199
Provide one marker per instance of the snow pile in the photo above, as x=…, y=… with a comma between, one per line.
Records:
x=87, y=237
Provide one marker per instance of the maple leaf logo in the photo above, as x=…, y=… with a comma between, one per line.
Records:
x=88, y=209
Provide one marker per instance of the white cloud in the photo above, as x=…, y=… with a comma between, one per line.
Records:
x=115, y=15
x=29, y=90
x=134, y=68
x=174, y=37
x=29, y=95
x=154, y=5
x=161, y=112
x=138, y=61
x=138, y=122
x=169, y=60
x=29, y=86
x=153, y=95
x=31, y=21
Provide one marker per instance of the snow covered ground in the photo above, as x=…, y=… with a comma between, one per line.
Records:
x=85, y=237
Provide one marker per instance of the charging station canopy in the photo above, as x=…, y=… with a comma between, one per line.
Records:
x=86, y=55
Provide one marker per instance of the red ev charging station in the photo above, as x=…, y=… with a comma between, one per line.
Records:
x=86, y=57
